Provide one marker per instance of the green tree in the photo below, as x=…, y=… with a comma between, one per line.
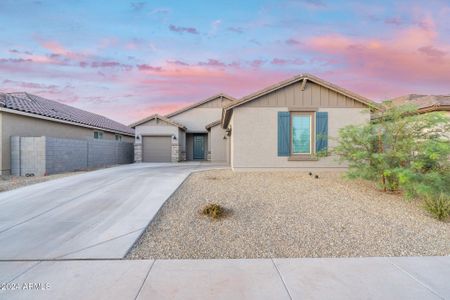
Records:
x=400, y=149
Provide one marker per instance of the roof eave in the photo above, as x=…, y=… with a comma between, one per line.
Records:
x=42, y=117
x=184, y=109
x=308, y=77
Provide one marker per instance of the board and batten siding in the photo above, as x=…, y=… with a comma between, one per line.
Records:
x=314, y=95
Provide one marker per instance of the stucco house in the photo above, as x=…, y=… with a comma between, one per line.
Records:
x=282, y=126
x=27, y=115
x=287, y=124
x=191, y=133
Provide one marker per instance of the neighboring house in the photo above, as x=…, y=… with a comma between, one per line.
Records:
x=192, y=133
x=282, y=126
x=425, y=103
x=23, y=114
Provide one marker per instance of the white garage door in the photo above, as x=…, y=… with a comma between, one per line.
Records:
x=156, y=148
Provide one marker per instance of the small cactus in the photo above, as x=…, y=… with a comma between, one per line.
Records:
x=317, y=176
x=310, y=174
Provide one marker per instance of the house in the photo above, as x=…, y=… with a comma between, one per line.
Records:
x=425, y=103
x=286, y=125
x=191, y=133
x=27, y=115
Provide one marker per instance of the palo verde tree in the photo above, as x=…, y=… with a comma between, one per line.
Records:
x=400, y=149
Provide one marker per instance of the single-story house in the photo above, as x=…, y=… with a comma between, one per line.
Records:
x=282, y=126
x=425, y=103
x=27, y=115
x=288, y=124
x=191, y=133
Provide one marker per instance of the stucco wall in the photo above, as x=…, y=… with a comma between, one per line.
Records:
x=18, y=125
x=254, y=137
x=217, y=145
x=196, y=119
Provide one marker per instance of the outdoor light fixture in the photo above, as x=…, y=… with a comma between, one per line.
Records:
x=137, y=137
x=174, y=138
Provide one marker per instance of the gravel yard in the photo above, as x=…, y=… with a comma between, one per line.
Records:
x=289, y=214
x=13, y=182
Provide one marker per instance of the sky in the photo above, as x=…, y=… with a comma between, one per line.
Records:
x=129, y=59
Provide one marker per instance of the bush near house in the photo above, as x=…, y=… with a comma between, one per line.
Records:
x=402, y=150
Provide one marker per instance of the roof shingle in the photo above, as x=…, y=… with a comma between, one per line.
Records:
x=36, y=105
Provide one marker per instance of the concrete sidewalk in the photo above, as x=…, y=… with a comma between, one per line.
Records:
x=307, y=278
x=98, y=214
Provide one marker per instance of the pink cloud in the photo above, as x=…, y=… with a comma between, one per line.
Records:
x=413, y=55
x=145, y=67
x=282, y=62
x=212, y=63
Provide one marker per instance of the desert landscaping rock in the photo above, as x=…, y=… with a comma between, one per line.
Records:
x=289, y=214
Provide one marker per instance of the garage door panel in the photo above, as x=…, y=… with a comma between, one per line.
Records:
x=156, y=148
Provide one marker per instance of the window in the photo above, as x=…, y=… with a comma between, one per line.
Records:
x=98, y=135
x=302, y=133
x=118, y=137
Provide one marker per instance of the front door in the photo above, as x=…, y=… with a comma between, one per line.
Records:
x=199, y=147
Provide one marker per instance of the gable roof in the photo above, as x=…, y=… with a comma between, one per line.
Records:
x=200, y=103
x=212, y=124
x=226, y=113
x=39, y=106
x=424, y=103
x=157, y=117
x=298, y=78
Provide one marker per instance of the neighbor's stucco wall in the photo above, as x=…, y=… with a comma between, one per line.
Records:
x=217, y=145
x=18, y=125
x=196, y=119
x=254, y=137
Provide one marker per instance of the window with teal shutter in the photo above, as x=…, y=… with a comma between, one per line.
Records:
x=283, y=133
x=321, y=131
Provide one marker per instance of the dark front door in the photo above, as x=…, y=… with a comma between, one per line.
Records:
x=199, y=147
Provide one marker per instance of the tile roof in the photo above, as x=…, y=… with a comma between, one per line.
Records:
x=36, y=105
x=423, y=101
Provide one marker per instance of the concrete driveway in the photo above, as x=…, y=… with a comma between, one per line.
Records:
x=98, y=214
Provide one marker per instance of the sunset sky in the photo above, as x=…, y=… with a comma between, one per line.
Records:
x=129, y=59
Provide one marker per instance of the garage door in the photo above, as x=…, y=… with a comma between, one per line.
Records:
x=156, y=148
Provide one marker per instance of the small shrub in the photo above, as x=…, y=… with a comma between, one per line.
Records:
x=213, y=210
x=438, y=206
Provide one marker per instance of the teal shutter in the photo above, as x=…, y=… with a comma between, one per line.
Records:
x=321, y=131
x=283, y=133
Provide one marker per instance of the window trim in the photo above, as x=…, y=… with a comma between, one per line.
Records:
x=99, y=135
x=118, y=137
x=312, y=138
